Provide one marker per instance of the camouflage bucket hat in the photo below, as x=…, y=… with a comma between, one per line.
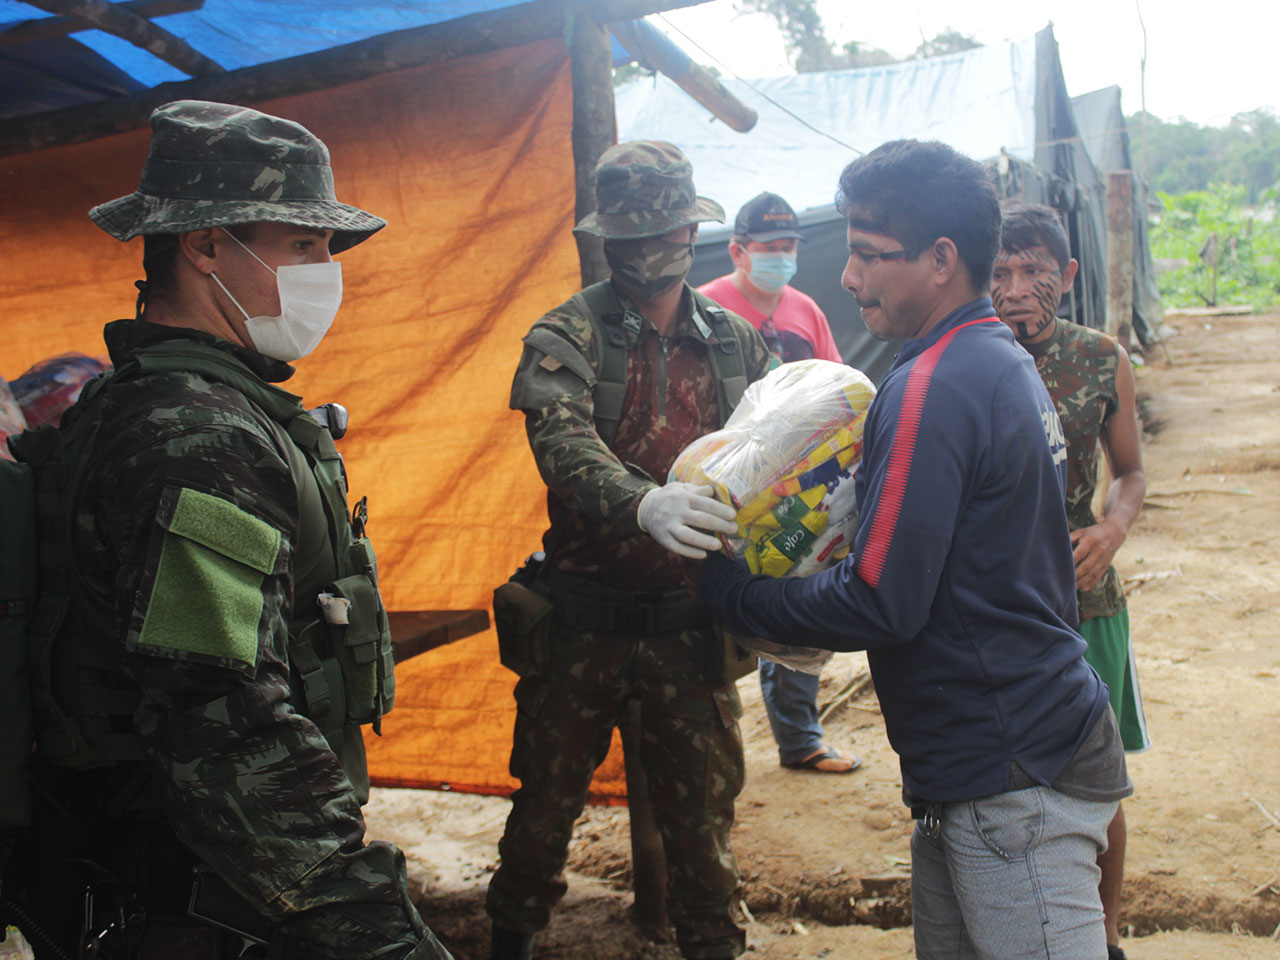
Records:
x=645, y=188
x=217, y=165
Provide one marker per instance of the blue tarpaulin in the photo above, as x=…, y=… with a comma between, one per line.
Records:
x=92, y=65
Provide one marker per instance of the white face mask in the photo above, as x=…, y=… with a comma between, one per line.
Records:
x=310, y=294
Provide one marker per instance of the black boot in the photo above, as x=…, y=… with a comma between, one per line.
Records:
x=509, y=945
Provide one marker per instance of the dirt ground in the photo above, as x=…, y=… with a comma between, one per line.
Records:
x=825, y=858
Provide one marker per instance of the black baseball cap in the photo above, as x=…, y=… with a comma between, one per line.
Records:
x=767, y=217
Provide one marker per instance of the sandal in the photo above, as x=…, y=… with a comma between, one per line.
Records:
x=825, y=755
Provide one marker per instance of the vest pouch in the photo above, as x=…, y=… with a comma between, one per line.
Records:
x=522, y=617
x=319, y=692
x=728, y=661
x=350, y=608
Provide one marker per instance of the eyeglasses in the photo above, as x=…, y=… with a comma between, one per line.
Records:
x=871, y=257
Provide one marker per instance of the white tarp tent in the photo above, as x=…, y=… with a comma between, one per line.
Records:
x=980, y=102
x=1005, y=104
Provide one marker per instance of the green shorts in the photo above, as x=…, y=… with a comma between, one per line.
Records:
x=1111, y=654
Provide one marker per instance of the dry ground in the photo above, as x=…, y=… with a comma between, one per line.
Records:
x=825, y=857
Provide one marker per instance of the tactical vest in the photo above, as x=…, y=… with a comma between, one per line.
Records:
x=340, y=654
x=611, y=323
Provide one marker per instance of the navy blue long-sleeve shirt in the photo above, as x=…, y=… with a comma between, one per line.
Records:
x=961, y=585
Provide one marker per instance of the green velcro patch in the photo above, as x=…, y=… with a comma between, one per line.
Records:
x=206, y=597
x=224, y=527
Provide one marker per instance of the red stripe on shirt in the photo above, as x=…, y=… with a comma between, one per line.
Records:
x=894, y=489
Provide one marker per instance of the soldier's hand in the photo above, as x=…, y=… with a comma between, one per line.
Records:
x=678, y=514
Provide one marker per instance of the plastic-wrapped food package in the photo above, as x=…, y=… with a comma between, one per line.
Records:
x=11, y=419
x=785, y=460
x=49, y=387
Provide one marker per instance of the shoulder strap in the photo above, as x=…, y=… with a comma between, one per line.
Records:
x=208, y=361
x=728, y=362
x=599, y=304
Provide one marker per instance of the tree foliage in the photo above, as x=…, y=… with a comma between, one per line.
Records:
x=948, y=41
x=810, y=50
x=1181, y=156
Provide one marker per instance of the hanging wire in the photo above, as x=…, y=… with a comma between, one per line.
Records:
x=835, y=139
x=761, y=93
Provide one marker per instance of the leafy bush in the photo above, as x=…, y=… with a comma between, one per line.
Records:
x=1248, y=248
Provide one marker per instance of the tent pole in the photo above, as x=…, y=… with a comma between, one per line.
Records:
x=1120, y=255
x=593, y=133
x=49, y=27
x=591, y=55
x=118, y=20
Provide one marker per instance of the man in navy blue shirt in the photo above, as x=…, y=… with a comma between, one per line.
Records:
x=961, y=586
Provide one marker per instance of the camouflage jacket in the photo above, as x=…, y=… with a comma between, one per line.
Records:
x=1079, y=366
x=594, y=490
x=200, y=627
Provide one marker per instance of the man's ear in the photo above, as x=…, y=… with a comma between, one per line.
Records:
x=1069, y=273
x=946, y=259
x=200, y=247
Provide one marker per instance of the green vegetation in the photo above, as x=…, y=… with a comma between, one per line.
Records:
x=1233, y=254
x=1219, y=188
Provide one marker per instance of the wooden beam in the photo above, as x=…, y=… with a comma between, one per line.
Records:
x=653, y=49
x=593, y=131
x=48, y=28
x=141, y=32
x=1120, y=256
x=464, y=36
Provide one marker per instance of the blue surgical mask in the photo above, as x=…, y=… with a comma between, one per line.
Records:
x=771, y=272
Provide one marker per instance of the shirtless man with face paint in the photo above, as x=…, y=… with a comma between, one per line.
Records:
x=1088, y=375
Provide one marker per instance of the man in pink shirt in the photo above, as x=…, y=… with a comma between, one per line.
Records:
x=763, y=249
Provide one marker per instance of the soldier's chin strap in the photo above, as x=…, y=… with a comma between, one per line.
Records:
x=140, y=306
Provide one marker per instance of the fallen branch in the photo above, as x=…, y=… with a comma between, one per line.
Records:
x=846, y=693
x=1275, y=821
x=1238, y=492
x=1147, y=575
x=1263, y=887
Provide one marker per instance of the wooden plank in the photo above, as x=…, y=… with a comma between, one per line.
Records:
x=464, y=36
x=48, y=28
x=1120, y=256
x=417, y=631
x=141, y=32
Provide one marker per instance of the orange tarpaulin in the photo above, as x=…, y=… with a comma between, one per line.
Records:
x=470, y=163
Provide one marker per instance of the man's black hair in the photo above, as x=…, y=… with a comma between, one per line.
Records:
x=1028, y=225
x=918, y=191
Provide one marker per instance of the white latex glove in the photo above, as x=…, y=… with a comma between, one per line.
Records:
x=676, y=514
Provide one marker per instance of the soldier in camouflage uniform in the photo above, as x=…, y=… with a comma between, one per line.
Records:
x=1088, y=375
x=223, y=749
x=624, y=627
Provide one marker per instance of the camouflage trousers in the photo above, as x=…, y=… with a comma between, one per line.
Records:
x=691, y=752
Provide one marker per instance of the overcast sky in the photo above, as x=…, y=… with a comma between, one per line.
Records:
x=1205, y=62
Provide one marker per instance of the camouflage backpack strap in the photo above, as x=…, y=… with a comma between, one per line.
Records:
x=608, y=318
x=727, y=354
